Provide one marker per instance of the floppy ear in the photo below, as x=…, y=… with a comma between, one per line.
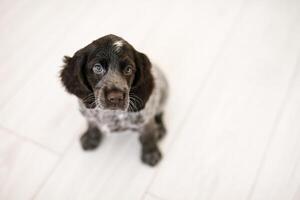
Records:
x=143, y=83
x=74, y=78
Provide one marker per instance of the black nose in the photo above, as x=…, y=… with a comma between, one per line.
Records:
x=115, y=97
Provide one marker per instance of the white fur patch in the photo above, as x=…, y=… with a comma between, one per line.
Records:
x=118, y=45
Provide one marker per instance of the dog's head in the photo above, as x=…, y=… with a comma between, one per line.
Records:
x=110, y=74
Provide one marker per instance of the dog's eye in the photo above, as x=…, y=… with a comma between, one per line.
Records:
x=98, y=69
x=128, y=70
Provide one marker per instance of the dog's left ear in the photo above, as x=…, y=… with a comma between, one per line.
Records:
x=143, y=83
x=74, y=78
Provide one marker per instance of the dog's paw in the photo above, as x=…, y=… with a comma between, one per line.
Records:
x=151, y=158
x=91, y=139
x=161, y=132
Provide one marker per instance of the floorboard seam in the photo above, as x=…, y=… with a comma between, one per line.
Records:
x=53, y=170
x=156, y=197
x=29, y=140
x=272, y=133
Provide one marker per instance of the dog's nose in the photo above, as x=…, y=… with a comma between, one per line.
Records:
x=115, y=97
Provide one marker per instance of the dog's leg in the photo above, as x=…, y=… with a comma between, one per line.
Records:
x=149, y=137
x=91, y=138
x=160, y=125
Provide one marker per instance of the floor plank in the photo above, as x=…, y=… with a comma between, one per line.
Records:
x=24, y=166
x=219, y=149
x=279, y=175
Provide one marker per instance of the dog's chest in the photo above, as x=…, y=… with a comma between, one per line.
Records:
x=114, y=121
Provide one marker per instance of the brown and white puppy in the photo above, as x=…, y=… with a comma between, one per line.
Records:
x=118, y=90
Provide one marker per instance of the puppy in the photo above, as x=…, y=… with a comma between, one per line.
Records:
x=118, y=90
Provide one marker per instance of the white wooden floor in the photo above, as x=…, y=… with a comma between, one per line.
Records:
x=233, y=116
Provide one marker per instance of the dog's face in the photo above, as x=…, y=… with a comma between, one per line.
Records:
x=110, y=71
x=110, y=74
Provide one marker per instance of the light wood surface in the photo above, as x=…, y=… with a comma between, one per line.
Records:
x=233, y=116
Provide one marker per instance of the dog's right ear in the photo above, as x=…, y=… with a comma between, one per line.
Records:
x=74, y=78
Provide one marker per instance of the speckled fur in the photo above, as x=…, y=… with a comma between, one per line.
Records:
x=110, y=121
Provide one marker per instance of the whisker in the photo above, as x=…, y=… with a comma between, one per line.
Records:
x=132, y=102
x=136, y=100
x=136, y=97
x=88, y=98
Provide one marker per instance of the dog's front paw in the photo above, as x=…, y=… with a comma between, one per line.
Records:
x=91, y=139
x=151, y=157
x=161, y=132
